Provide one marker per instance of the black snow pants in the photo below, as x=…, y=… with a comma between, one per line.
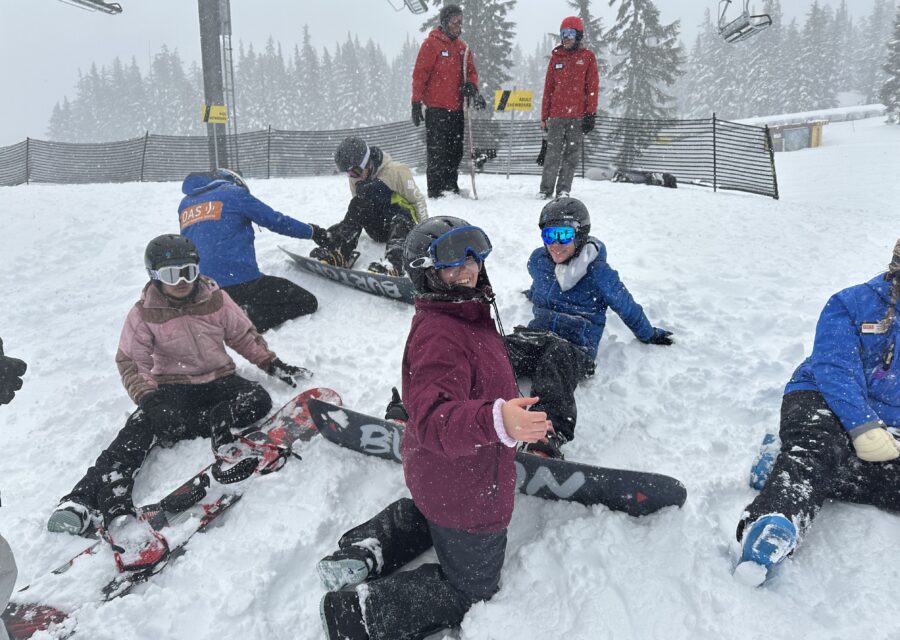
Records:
x=817, y=462
x=409, y=605
x=388, y=223
x=183, y=412
x=444, y=144
x=269, y=301
x=555, y=367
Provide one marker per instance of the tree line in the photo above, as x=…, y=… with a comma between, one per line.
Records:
x=646, y=72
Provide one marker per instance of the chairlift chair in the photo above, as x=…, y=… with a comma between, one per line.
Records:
x=415, y=6
x=111, y=8
x=742, y=27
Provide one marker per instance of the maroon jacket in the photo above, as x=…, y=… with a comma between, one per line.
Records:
x=455, y=367
x=438, y=76
x=572, y=84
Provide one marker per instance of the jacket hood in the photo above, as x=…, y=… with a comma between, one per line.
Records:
x=201, y=182
x=439, y=34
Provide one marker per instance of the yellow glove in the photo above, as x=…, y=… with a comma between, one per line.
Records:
x=876, y=445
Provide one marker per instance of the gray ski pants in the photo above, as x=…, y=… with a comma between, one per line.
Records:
x=564, y=140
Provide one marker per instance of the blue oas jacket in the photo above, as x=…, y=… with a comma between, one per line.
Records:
x=578, y=314
x=216, y=215
x=852, y=366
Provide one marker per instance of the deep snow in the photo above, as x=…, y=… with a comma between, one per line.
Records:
x=740, y=280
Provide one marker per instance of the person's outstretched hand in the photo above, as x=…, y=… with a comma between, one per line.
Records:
x=524, y=425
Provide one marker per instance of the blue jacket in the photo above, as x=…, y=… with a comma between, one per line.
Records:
x=579, y=314
x=855, y=369
x=216, y=215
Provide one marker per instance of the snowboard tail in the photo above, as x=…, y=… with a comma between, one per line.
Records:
x=636, y=493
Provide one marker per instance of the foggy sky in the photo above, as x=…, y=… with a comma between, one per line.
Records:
x=43, y=43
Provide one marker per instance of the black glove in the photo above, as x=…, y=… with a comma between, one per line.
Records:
x=469, y=90
x=417, y=116
x=543, y=154
x=480, y=104
x=11, y=372
x=587, y=122
x=150, y=401
x=319, y=235
x=395, y=409
x=661, y=336
x=287, y=373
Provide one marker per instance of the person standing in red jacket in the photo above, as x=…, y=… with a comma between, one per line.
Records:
x=459, y=447
x=569, y=107
x=438, y=84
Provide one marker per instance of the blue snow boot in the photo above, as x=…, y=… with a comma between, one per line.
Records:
x=766, y=542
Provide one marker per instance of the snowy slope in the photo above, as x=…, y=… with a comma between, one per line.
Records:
x=740, y=280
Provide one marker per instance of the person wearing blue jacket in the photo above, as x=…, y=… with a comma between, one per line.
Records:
x=837, y=414
x=572, y=287
x=217, y=213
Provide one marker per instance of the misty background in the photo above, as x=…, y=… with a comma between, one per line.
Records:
x=74, y=75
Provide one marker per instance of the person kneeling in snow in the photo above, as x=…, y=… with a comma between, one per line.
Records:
x=173, y=364
x=836, y=414
x=572, y=287
x=386, y=203
x=465, y=420
x=217, y=214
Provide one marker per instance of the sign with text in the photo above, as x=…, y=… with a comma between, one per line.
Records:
x=519, y=100
x=215, y=113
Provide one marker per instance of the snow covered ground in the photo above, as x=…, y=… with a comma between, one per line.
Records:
x=740, y=280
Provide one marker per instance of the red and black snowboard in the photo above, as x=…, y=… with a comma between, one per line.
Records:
x=187, y=510
x=637, y=493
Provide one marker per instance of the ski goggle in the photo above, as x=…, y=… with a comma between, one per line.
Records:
x=562, y=235
x=568, y=34
x=451, y=249
x=354, y=172
x=175, y=274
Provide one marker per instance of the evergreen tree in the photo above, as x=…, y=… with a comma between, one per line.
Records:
x=875, y=35
x=890, y=89
x=814, y=65
x=308, y=85
x=400, y=80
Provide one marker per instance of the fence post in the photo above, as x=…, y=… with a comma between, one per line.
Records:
x=27, y=164
x=715, y=176
x=144, y=153
x=772, y=161
x=269, y=153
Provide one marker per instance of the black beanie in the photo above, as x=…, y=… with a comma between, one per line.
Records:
x=447, y=12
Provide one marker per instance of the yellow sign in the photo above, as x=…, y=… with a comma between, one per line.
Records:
x=513, y=100
x=215, y=113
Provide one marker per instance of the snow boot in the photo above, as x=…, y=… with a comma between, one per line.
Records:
x=543, y=195
x=72, y=516
x=548, y=449
x=765, y=543
x=342, y=616
x=334, y=257
x=346, y=567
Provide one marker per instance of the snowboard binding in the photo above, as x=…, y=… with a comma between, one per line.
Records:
x=252, y=453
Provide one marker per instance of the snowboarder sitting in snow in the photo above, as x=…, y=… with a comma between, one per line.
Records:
x=836, y=414
x=173, y=364
x=217, y=213
x=386, y=203
x=572, y=287
x=465, y=420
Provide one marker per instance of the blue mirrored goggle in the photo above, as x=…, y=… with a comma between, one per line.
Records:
x=452, y=248
x=568, y=34
x=562, y=235
x=175, y=274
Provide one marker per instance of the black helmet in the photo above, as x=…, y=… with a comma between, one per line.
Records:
x=417, y=251
x=170, y=250
x=567, y=212
x=352, y=152
x=234, y=177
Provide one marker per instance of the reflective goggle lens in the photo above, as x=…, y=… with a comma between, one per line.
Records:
x=562, y=235
x=568, y=34
x=355, y=172
x=175, y=274
x=452, y=248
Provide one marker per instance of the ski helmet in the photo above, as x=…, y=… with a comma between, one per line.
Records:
x=352, y=152
x=231, y=176
x=417, y=252
x=448, y=12
x=170, y=250
x=567, y=212
x=574, y=22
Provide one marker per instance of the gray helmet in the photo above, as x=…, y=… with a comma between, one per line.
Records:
x=234, y=177
x=352, y=152
x=170, y=250
x=567, y=212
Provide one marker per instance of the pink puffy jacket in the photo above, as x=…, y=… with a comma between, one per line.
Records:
x=166, y=343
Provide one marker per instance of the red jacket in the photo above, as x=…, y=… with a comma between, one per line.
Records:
x=437, y=76
x=455, y=367
x=572, y=84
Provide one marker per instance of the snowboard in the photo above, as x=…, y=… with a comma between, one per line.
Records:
x=637, y=493
x=390, y=287
x=184, y=512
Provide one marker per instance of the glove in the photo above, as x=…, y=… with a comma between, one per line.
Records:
x=660, y=336
x=395, y=409
x=587, y=122
x=417, y=116
x=469, y=90
x=11, y=372
x=320, y=236
x=150, y=401
x=543, y=153
x=287, y=373
x=480, y=103
x=876, y=445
